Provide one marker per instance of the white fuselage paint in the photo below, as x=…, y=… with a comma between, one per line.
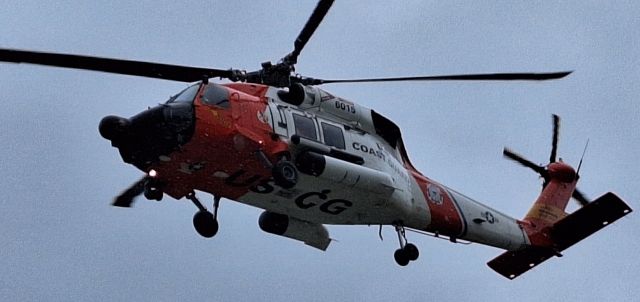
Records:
x=325, y=201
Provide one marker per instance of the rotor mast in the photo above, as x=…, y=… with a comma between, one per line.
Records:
x=281, y=74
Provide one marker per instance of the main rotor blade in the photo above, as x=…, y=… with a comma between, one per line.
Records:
x=125, y=199
x=309, y=28
x=458, y=77
x=554, y=143
x=525, y=162
x=577, y=195
x=118, y=66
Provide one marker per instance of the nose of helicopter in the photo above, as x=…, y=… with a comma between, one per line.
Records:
x=155, y=132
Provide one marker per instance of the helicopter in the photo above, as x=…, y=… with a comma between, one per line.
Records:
x=274, y=140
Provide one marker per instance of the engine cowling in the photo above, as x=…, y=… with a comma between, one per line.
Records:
x=312, y=234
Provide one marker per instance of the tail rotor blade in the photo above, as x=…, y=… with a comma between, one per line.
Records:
x=126, y=198
x=523, y=161
x=578, y=196
x=554, y=143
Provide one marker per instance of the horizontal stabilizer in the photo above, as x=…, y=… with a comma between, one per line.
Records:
x=512, y=264
x=565, y=233
x=588, y=220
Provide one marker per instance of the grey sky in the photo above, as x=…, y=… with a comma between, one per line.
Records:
x=61, y=240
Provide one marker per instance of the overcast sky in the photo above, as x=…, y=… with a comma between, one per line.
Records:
x=61, y=240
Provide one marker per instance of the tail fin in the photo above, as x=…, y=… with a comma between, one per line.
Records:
x=550, y=206
x=563, y=233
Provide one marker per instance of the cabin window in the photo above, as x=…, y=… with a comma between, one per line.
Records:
x=216, y=95
x=305, y=127
x=333, y=135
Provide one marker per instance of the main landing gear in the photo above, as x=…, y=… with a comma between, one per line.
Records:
x=407, y=251
x=205, y=222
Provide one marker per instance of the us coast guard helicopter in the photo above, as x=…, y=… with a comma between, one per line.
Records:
x=272, y=139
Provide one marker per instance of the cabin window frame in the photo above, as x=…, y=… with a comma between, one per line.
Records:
x=341, y=135
x=300, y=117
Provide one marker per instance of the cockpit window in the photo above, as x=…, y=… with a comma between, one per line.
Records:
x=216, y=95
x=185, y=96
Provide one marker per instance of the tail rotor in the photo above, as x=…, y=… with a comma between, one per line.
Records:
x=543, y=170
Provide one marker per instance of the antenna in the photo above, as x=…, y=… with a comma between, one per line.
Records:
x=583, y=152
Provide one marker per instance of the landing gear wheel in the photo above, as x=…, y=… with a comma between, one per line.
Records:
x=407, y=251
x=411, y=251
x=285, y=174
x=205, y=224
x=401, y=257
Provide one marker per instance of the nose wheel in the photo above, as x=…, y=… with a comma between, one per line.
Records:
x=205, y=222
x=407, y=251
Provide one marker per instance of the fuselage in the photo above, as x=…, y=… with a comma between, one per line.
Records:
x=241, y=130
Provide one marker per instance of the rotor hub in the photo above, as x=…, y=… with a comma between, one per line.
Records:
x=561, y=172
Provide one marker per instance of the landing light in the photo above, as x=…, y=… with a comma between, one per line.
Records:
x=153, y=173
